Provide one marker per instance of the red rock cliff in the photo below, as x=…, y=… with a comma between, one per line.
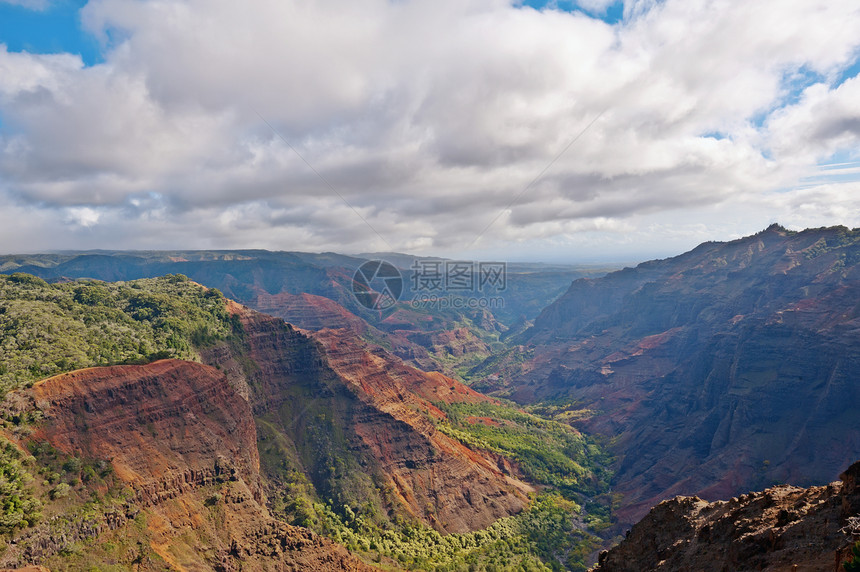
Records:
x=183, y=439
x=382, y=409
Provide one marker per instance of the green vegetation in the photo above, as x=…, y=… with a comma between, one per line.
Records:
x=62, y=487
x=63, y=473
x=47, y=329
x=563, y=410
x=306, y=452
x=548, y=452
x=547, y=536
x=841, y=239
x=78, y=497
x=18, y=506
x=557, y=532
x=498, y=367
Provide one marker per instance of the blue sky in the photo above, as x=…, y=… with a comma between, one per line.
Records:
x=612, y=14
x=54, y=29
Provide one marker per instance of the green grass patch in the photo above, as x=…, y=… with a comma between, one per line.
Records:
x=547, y=451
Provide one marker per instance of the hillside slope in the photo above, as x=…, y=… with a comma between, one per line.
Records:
x=356, y=423
x=183, y=487
x=725, y=369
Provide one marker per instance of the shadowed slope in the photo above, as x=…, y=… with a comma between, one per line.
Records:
x=725, y=369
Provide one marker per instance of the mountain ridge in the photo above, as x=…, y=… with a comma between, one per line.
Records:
x=314, y=291
x=701, y=366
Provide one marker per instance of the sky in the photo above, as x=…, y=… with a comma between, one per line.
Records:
x=565, y=131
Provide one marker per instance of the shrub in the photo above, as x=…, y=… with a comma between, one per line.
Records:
x=60, y=491
x=18, y=507
x=72, y=465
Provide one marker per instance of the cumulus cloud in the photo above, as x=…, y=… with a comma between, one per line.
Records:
x=824, y=120
x=426, y=119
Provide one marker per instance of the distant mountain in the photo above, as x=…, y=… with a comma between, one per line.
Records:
x=729, y=368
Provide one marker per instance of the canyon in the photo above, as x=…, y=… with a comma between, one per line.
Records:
x=197, y=455
x=294, y=429
x=723, y=370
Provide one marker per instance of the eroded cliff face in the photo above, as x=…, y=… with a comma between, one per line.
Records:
x=358, y=423
x=182, y=445
x=784, y=528
x=166, y=427
x=726, y=369
x=463, y=489
x=429, y=342
x=377, y=373
x=308, y=311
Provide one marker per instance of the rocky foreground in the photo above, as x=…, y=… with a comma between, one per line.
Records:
x=784, y=528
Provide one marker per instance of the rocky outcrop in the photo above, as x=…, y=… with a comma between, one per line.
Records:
x=726, y=369
x=784, y=528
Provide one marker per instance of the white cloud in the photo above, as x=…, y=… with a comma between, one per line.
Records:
x=823, y=121
x=428, y=118
x=85, y=217
x=595, y=6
